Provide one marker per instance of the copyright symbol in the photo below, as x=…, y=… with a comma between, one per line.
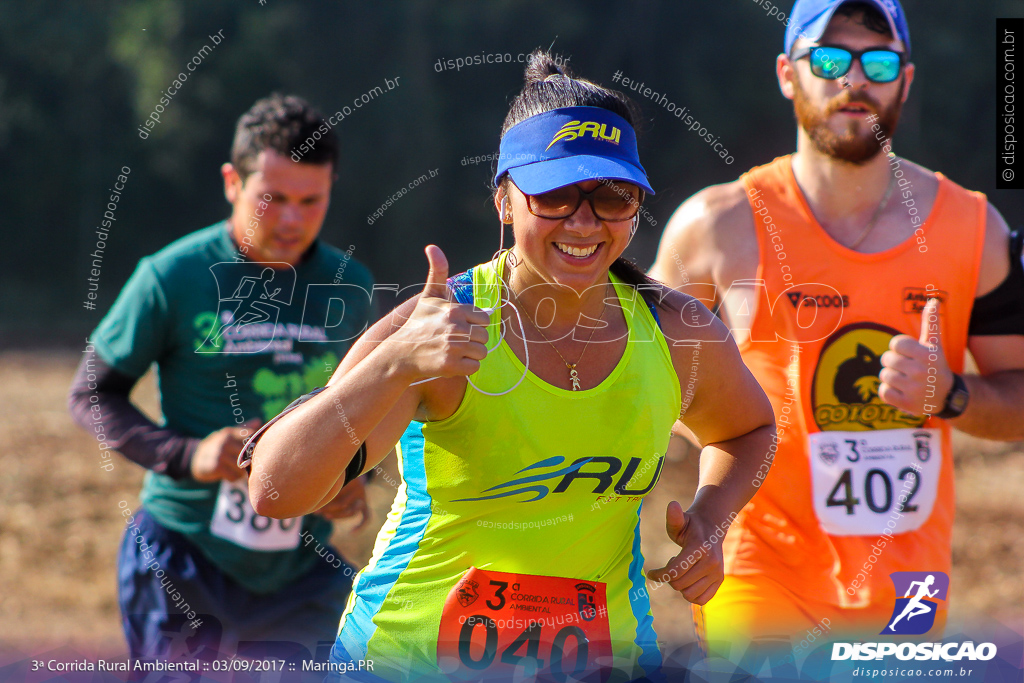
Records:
x=1007, y=174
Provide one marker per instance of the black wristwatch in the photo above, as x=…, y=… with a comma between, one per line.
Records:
x=956, y=400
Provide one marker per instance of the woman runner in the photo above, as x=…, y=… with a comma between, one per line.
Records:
x=531, y=399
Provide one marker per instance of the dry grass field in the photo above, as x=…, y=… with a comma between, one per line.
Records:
x=60, y=524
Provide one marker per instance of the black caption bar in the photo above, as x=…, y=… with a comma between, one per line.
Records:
x=1009, y=166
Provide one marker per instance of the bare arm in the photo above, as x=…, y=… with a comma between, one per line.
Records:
x=685, y=260
x=708, y=244
x=732, y=420
x=369, y=399
x=996, y=406
x=730, y=417
x=995, y=409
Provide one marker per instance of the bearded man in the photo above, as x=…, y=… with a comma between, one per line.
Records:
x=854, y=281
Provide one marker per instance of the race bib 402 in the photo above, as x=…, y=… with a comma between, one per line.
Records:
x=868, y=482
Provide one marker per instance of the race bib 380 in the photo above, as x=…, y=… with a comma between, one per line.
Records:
x=235, y=520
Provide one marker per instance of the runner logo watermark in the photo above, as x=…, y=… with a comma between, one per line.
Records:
x=914, y=613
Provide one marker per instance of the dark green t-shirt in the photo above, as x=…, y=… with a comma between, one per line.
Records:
x=233, y=340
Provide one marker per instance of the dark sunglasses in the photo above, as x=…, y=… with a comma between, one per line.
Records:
x=880, y=65
x=609, y=201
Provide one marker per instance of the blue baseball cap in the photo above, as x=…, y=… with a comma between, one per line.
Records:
x=569, y=145
x=809, y=18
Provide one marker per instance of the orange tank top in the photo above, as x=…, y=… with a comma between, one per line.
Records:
x=858, y=488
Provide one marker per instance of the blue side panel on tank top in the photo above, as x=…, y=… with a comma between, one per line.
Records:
x=462, y=286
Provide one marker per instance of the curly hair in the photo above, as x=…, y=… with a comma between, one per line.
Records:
x=280, y=123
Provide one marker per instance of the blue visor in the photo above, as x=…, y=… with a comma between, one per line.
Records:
x=569, y=145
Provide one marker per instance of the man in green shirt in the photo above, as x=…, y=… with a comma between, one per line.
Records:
x=241, y=318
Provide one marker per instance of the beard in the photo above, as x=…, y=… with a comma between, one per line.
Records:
x=858, y=143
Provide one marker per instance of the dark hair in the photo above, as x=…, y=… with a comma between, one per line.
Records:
x=281, y=123
x=551, y=85
x=872, y=17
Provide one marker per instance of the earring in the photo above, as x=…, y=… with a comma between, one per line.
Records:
x=504, y=218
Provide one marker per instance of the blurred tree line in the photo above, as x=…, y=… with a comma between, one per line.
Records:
x=78, y=78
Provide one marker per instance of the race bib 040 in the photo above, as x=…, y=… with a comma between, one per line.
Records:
x=867, y=482
x=497, y=625
x=235, y=520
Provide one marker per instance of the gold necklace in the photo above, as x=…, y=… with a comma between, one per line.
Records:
x=877, y=214
x=573, y=374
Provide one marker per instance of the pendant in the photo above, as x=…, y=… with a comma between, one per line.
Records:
x=574, y=376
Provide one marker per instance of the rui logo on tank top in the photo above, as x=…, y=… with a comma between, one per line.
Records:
x=844, y=391
x=602, y=470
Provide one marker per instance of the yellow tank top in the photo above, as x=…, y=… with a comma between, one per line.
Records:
x=537, y=482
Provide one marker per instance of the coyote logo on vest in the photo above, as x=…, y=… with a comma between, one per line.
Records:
x=844, y=392
x=857, y=378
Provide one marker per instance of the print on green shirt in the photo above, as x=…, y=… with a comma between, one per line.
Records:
x=204, y=324
x=280, y=389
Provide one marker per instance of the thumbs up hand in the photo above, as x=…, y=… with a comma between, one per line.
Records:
x=915, y=376
x=441, y=338
x=699, y=569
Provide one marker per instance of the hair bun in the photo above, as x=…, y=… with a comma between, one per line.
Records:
x=541, y=66
x=551, y=84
